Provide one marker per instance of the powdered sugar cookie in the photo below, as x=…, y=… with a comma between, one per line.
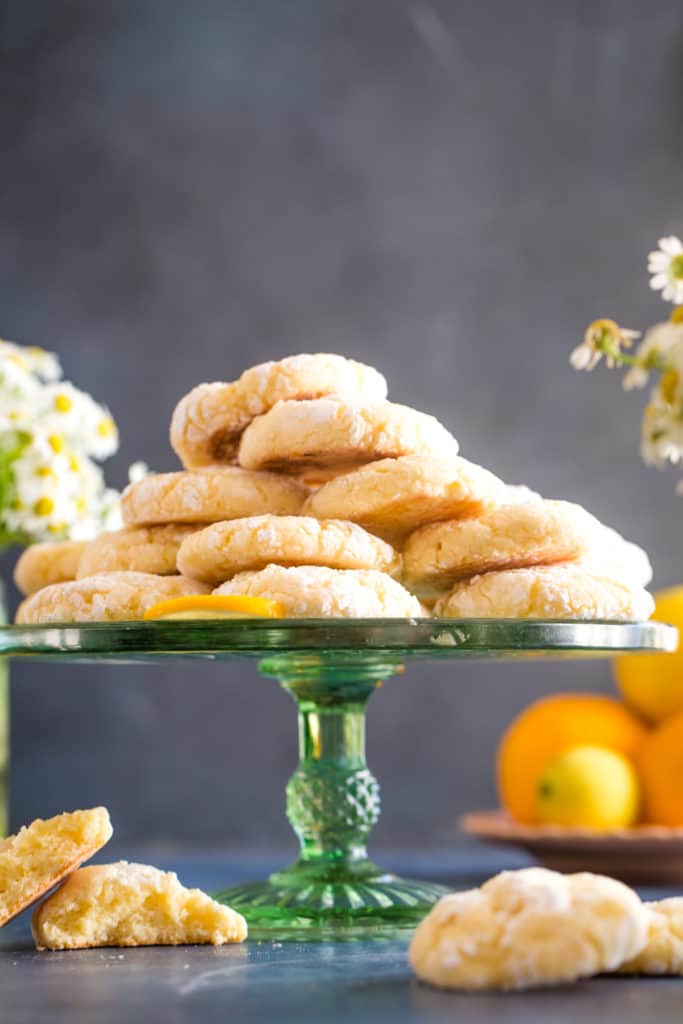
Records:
x=510, y=537
x=221, y=551
x=514, y=494
x=150, y=549
x=312, y=591
x=617, y=558
x=131, y=905
x=337, y=431
x=42, y=564
x=111, y=597
x=208, y=422
x=41, y=854
x=209, y=496
x=663, y=951
x=527, y=929
x=394, y=496
x=561, y=591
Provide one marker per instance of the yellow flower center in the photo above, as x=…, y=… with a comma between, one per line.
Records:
x=668, y=386
x=676, y=315
x=44, y=507
x=601, y=330
x=80, y=505
x=63, y=403
x=56, y=442
x=74, y=464
x=45, y=471
x=17, y=360
x=676, y=267
x=57, y=527
x=106, y=427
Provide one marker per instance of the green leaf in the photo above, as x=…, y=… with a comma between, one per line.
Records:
x=12, y=446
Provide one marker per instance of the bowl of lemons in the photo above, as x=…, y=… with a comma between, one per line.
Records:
x=590, y=782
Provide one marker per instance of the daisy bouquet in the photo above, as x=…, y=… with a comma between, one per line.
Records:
x=658, y=354
x=51, y=438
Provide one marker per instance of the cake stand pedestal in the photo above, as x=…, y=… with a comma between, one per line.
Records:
x=330, y=668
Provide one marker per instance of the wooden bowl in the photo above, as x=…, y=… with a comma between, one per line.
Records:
x=644, y=855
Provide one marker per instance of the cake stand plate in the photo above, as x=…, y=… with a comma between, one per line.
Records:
x=331, y=667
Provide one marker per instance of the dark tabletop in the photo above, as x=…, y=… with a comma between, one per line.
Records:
x=353, y=982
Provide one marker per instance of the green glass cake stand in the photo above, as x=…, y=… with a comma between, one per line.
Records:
x=330, y=667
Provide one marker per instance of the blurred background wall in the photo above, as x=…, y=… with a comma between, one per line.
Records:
x=450, y=190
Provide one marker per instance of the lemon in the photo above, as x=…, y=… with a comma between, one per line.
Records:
x=589, y=786
x=216, y=606
x=652, y=684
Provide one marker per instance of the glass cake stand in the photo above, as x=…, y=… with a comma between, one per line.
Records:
x=331, y=667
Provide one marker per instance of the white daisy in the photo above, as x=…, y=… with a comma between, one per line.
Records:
x=138, y=471
x=602, y=338
x=50, y=433
x=31, y=359
x=666, y=266
x=662, y=424
x=653, y=352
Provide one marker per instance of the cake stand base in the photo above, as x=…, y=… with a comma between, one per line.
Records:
x=333, y=890
x=352, y=901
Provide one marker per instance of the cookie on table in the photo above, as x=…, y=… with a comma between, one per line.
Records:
x=209, y=496
x=527, y=929
x=51, y=562
x=150, y=549
x=393, y=497
x=222, y=550
x=339, y=431
x=561, y=591
x=517, y=536
x=663, y=951
x=208, y=422
x=43, y=853
x=312, y=591
x=132, y=905
x=109, y=597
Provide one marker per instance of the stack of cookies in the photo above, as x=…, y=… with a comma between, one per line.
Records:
x=303, y=484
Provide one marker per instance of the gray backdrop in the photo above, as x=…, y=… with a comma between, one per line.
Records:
x=450, y=190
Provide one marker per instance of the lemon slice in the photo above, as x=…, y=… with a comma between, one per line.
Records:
x=216, y=606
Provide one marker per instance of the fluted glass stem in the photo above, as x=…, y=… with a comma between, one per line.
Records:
x=332, y=798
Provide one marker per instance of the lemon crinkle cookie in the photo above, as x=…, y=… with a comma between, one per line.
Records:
x=313, y=591
x=393, y=497
x=517, y=536
x=338, y=431
x=150, y=549
x=619, y=558
x=561, y=591
x=132, y=905
x=220, y=551
x=663, y=951
x=43, y=853
x=514, y=494
x=110, y=597
x=208, y=422
x=209, y=496
x=50, y=562
x=529, y=928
